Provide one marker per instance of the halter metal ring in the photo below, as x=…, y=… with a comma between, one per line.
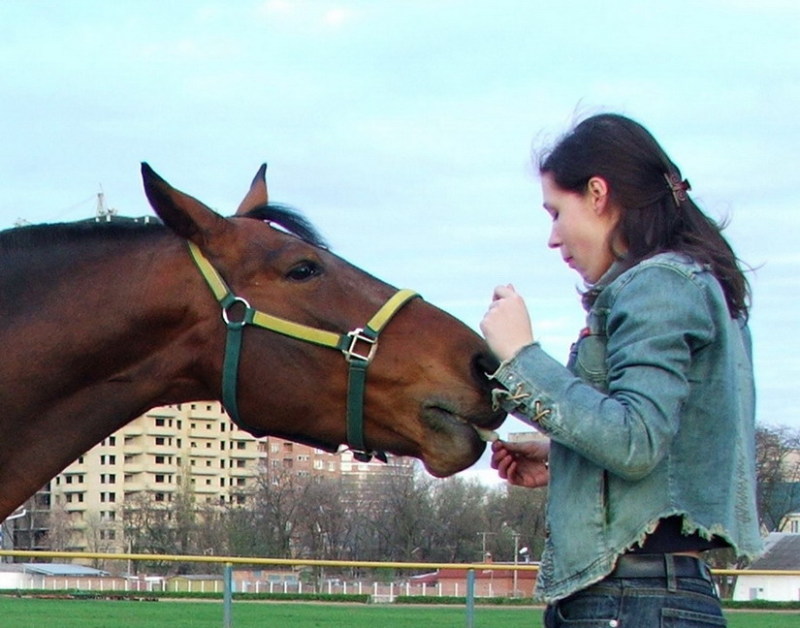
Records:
x=229, y=306
x=356, y=336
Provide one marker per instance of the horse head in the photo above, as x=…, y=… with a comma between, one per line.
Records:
x=425, y=388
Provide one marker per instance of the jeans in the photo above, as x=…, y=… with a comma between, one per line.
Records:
x=639, y=603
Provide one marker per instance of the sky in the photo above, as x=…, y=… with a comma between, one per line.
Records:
x=404, y=130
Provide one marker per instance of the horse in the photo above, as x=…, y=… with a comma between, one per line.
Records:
x=102, y=321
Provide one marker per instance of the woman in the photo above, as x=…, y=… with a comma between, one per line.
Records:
x=650, y=459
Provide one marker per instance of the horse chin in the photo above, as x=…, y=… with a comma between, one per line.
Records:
x=451, y=444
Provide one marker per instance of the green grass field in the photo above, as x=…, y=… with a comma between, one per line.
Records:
x=43, y=613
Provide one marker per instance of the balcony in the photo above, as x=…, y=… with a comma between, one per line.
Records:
x=244, y=454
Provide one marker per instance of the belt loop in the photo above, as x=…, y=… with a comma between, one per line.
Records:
x=669, y=568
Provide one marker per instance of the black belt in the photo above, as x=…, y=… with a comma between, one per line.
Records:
x=660, y=566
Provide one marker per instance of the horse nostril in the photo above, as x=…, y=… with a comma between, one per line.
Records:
x=484, y=364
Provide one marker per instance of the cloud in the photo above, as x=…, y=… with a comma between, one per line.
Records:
x=305, y=14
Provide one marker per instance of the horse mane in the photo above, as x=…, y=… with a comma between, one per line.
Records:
x=114, y=228
x=290, y=220
x=120, y=228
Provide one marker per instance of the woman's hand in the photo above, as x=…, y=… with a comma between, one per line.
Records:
x=506, y=324
x=522, y=464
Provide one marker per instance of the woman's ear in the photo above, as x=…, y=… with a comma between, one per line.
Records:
x=598, y=194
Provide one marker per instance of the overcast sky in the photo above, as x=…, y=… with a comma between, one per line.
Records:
x=404, y=129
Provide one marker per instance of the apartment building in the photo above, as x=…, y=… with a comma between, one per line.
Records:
x=184, y=447
x=190, y=448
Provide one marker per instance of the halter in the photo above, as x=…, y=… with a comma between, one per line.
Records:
x=358, y=346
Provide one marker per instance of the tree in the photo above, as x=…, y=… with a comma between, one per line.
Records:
x=517, y=517
x=276, y=510
x=777, y=473
x=457, y=520
x=99, y=536
x=399, y=519
x=59, y=528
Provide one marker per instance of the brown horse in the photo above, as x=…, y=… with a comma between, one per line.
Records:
x=101, y=322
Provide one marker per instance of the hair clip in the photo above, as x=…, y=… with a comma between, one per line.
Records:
x=678, y=188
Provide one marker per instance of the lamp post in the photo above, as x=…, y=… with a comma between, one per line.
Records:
x=484, y=535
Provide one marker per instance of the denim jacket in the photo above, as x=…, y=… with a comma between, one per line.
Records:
x=653, y=417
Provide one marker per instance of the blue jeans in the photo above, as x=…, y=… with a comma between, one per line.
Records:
x=639, y=603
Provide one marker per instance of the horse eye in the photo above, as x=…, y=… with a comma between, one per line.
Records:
x=304, y=271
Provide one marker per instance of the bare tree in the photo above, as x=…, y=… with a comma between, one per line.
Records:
x=457, y=520
x=59, y=528
x=276, y=510
x=99, y=537
x=400, y=518
x=777, y=473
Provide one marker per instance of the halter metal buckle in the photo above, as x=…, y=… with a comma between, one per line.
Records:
x=356, y=336
x=228, y=308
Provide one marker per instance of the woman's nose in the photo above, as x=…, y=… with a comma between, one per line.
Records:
x=554, y=241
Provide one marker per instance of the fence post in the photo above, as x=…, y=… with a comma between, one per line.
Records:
x=227, y=596
x=470, y=598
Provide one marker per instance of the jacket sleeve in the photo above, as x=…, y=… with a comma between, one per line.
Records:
x=657, y=319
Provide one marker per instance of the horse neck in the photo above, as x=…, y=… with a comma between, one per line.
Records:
x=88, y=348
x=115, y=315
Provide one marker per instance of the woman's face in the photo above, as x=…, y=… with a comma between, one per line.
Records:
x=582, y=224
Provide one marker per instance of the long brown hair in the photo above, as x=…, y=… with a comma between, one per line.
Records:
x=658, y=215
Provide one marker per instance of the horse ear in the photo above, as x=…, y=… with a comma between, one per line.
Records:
x=257, y=195
x=185, y=215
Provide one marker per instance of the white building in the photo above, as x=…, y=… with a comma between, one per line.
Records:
x=781, y=553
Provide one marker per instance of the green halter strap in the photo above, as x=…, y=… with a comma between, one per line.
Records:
x=358, y=347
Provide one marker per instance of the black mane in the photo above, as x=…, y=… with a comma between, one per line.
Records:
x=290, y=220
x=49, y=234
